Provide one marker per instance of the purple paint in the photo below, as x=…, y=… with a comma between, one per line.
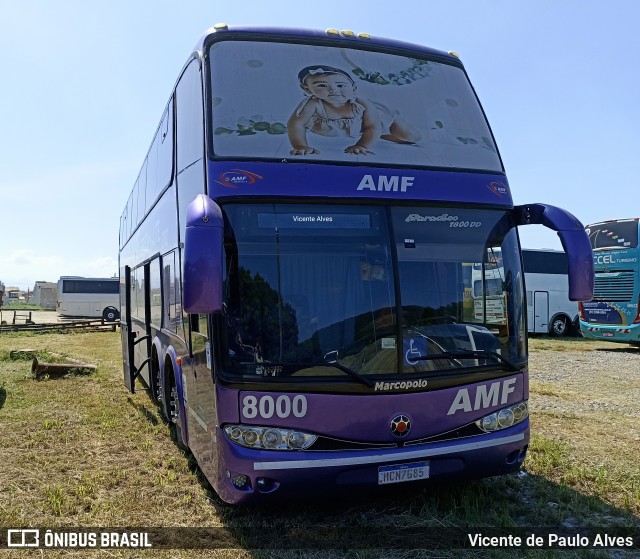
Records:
x=203, y=257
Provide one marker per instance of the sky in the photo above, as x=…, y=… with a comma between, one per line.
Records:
x=83, y=86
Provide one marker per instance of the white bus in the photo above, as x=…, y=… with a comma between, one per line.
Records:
x=549, y=310
x=89, y=297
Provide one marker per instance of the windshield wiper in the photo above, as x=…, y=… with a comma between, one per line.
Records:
x=297, y=366
x=473, y=354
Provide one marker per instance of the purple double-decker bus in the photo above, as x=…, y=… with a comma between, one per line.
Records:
x=296, y=264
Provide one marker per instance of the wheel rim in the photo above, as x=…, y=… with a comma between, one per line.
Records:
x=174, y=409
x=559, y=326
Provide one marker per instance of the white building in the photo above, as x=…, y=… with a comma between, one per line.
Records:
x=44, y=294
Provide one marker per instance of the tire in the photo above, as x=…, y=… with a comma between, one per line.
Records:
x=560, y=326
x=170, y=407
x=110, y=314
x=154, y=378
x=576, y=328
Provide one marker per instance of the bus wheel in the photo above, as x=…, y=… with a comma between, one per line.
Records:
x=575, y=326
x=154, y=379
x=110, y=314
x=171, y=407
x=559, y=326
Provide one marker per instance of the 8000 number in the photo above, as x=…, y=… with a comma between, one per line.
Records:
x=266, y=406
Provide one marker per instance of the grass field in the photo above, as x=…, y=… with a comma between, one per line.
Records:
x=80, y=451
x=21, y=306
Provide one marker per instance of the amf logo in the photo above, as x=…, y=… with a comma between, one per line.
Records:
x=498, y=188
x=237, y=177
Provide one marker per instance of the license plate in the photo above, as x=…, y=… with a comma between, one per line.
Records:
x=608, y=334
x=403, y=472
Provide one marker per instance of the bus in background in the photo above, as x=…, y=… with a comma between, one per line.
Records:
x=549, y=309
x=89, y=297
x=488, y=290
x=614, y=312
x=295, y=263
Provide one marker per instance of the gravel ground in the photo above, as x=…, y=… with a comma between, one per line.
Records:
x=586, y=381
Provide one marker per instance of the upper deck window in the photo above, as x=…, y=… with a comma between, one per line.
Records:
x=317, y=103
x=614, y=234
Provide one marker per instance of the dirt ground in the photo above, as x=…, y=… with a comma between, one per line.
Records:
x=39, y=317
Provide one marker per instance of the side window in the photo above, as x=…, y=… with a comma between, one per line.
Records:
x=199, y=324
x=140, y=293
x=190, y=139
x=156, y=292
x=172, y=308
x=189, y=116
x=134, y=207
x=127, y=216
x=153, y=188
x=121, y=234
x=165, y=149
x=142, y=186
x=168, y=286
x=134, y=293
x=199, y=334
x=160, y=158
x=123, y=293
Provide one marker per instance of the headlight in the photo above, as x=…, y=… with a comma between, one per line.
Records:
x=504, y=418
x=270, y=438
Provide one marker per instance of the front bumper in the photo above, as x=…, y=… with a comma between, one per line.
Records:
x=272, y=474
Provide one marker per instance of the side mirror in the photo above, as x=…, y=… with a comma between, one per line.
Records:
x=203, y=245
x=574, y=241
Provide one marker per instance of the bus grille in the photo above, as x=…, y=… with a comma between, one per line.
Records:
x=617, y=286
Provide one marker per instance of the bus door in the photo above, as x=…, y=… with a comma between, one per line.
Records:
x=138, y=325
x=541, y=311
x=125, y=332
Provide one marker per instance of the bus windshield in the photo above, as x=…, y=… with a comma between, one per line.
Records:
x=614, y=234
x=345, y=104
x=312, y=290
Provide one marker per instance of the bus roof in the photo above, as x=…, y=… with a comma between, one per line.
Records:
x=89, y=279
x=613, y=221
x=224, y=31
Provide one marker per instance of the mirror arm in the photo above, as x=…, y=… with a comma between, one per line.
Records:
x=575, y=243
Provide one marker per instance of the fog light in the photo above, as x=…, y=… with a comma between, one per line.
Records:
x=265, y=485
x=240, y=481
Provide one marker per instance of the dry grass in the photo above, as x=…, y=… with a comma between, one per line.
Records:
x=538, y=343
x=81, y=451
x=585, y=406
